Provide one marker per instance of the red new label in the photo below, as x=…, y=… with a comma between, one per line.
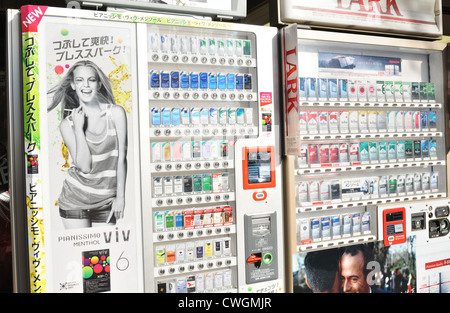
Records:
x=31, y=17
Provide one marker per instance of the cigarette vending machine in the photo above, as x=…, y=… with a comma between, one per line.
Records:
x=192, y=104
x=366, y=127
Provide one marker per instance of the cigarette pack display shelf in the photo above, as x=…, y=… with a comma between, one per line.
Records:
x=206, y=60
x=341, y=168
x=179, y=234
x=205, y=131
x=162, y=94
x=189, y=267
x=337, y=243
x=325, y=104
x=380, y=135
x=352, y=204
x=195, y=198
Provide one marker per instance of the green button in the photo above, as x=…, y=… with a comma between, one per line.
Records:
x=268, y=258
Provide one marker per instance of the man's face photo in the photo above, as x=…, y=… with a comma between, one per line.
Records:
x=352, y=274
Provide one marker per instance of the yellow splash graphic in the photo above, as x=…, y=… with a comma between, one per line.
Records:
x=119, y=79
x=65, y=155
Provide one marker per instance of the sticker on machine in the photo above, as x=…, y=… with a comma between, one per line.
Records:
x=265, y=98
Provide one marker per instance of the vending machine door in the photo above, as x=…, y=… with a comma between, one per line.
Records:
x=211, y=103
x=363, y=129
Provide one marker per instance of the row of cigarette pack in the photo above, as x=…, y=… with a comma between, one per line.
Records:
x=334, y=89
x=190, y=150
x=355, y=189
x=195, y=218
x=191, y=251
x=220, y=280
x=188, y=184
x=200, y=116
x=326, y=122
x=333, y=227
x=356, y=153
x=178, y=43
x=200, y=80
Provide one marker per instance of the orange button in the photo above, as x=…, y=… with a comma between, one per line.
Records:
x=259, y=195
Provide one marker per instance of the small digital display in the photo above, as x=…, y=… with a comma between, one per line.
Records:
x=259, y=167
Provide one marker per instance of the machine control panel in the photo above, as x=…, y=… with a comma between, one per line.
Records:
x=394, y=226
x=261, y=247
x=439, y=225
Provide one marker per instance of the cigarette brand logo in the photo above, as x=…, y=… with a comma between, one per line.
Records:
x=385, y=7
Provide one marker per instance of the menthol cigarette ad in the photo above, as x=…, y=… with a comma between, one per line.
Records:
x=352, y=189
x=96, y=271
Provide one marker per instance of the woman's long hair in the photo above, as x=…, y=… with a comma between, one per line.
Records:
x=64, y=94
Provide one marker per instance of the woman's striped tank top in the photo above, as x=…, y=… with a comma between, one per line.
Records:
x=97, y=189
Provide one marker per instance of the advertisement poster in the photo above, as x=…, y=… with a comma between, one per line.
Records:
x=363, y=268
x=359, y=64
x=387, y=16
x=83, y=142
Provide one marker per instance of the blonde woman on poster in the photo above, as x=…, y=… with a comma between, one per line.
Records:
x=94, y=130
